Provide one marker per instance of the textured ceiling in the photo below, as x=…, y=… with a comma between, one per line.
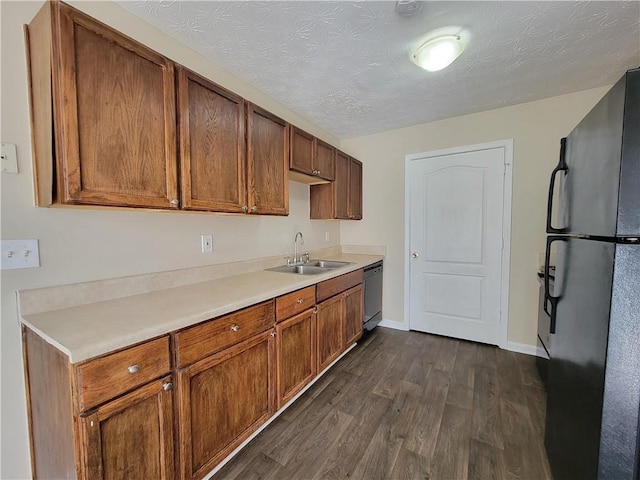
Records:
x=345, y=65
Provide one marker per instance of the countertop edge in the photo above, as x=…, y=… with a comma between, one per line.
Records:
x=61, y=333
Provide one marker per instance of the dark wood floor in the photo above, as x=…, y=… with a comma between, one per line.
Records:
x=407, y=405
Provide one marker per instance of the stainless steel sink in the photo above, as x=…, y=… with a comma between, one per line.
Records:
x=328, y=263
x=306, y=269
x=313, y=267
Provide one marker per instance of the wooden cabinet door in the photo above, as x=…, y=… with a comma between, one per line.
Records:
x=267, y=162
x=131, y=437
x=329, y=331
x=212, y=145
x=355, y=190
x=295, y=347
x=341, y=186
x=325, y=160
x=114, y=116
x=222, y=400
x=353, y=315
x=302, y=151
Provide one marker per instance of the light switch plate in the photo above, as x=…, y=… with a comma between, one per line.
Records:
x=20, y=254
x=9, y=158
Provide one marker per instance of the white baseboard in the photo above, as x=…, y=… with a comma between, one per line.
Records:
x=395, y=325
x=523, y=348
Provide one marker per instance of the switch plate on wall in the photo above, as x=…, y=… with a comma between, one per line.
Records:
x=9, y=158
x=20, y=254
x=207, y=243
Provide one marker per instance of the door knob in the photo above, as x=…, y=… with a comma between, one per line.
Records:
x=415, y=255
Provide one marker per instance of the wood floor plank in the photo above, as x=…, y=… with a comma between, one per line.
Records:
x=451, y=457
x=341, y=459
x=428, y=415
x=522, y=456
x=486, y=462
x=536, y=401
x=447, y=353
x=411, y=466
x=529, y=371
x=310, y=450
x=486, y=355
x=509, y=378
x=486, y=422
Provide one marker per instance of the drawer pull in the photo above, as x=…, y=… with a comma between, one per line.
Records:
x=133, y=369
x=167, y=386
x=273, y=334
x=301, y=300
x=235, y=328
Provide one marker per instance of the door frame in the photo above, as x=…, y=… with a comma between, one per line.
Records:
x=507, y=185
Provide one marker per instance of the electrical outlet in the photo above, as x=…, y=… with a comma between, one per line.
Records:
x=207, y=243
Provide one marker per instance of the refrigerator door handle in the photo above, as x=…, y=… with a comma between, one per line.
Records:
x=562, y=167
x=548, y=298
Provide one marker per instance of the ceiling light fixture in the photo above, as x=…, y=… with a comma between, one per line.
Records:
x=438, y=53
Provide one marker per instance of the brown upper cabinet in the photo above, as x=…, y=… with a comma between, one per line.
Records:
x=311, y=157
x=104, y=107
x=212, y=145
x=110, y=104
x=341, y=199
x=267, y=162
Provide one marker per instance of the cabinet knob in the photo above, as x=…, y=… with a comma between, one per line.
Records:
x=235, y=328
x=167, y=386
x=315, y=310
x=301, y=300
x=244, y=208
x=273, y=334
x=317, y=172
x=133, y=368
x=254, y=208
x=174, y=201
x=415, y=254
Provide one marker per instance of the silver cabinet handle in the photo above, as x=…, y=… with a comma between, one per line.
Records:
x=167, y=386
x=133, y=368
x=415, y=255
x=273, y=334
x=317, y=172
x=301, y=300
x=244, y=208
x=174, y=201
x=254, y=208
x=235, y=328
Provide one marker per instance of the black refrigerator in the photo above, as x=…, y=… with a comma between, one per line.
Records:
x=593, y=395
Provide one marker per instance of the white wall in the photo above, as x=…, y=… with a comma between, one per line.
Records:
x=536, y=129
x=78, y=245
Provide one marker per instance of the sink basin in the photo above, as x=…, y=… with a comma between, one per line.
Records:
x=327, y=263
x=306, y=269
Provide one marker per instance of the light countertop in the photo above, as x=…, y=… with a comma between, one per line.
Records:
x=87, y=331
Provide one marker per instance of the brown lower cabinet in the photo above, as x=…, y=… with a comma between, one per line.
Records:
x=118, y=416
x=295, y=346
x=132, y=436
x=222, y=399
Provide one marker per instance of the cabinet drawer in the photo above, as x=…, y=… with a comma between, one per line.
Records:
x=202, y=340
x=329, y=288
x=107, y=377
x=295, y=302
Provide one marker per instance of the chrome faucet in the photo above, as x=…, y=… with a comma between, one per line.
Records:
x=295, y=246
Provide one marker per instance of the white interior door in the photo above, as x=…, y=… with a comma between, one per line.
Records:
x=456, y=241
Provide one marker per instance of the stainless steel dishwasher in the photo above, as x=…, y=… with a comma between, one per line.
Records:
x=372, y=295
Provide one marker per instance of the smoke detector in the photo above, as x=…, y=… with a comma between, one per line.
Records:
x=408, y=8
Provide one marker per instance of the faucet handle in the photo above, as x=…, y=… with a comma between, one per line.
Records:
x=288, y=259
x=305, y=257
